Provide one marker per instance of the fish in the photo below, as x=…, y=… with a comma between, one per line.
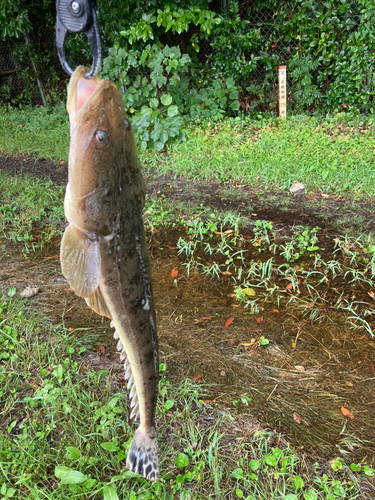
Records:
x=104, y=253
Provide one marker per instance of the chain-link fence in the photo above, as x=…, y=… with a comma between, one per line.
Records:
x=30, y=70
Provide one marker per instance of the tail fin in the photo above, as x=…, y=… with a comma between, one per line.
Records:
x=143, y=454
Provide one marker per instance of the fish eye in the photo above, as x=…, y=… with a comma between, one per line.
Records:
x=101, y=136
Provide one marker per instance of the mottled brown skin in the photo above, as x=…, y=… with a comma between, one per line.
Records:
x=104, y=202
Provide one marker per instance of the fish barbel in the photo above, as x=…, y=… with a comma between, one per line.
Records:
x=104, y=254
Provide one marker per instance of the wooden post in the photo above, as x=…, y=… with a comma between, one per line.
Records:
x=282, y=91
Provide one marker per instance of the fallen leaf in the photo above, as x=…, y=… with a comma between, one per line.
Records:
x=289, y=286
x=174, y=272
x=349, y=384
x=307, y=305
x=254, y=351
x=70, y=329
x=222, y=373
x=229, y=231
x=204, y=318
x=102, y=349
x=274, y=311
x=254, y=330
x=226, y=273
x=205, y=401
x=197, y=377
x=232, y=342
x=259, y=320
x=69, y=289
x=372, y=294
x=300, y=368
x=347, y=413
x=296, y=418
x=370, y=368
x=229, y=321
x=249, y=292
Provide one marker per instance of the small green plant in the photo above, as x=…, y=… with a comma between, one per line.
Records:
x=263, y=233
x=304, y=240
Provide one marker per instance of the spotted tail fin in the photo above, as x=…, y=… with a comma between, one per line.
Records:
x=143, y=454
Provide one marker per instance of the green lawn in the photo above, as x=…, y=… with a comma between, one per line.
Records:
x=333, y=154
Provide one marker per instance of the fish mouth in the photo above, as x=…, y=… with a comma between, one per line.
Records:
x=80, y=92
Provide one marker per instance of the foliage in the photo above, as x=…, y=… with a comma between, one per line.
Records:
x=233, y=43
x=161, y=92
x=177, y=20
x=331, y=48
x=18, y=16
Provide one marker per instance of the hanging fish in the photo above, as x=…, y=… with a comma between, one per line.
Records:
x=104, y=254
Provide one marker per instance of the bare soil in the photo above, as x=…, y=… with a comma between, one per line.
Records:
x=296, y=385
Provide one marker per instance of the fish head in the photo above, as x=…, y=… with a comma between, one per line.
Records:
x=98, y=133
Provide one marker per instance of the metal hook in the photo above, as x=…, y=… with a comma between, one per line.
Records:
x=78, y=16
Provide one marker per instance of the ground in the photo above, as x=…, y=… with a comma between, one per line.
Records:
x=317, y=364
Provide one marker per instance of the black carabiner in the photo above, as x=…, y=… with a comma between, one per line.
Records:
x=78, y=16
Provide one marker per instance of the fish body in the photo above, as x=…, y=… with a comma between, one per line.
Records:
x=104, y=254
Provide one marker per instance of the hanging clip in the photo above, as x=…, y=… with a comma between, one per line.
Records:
x=78, y=16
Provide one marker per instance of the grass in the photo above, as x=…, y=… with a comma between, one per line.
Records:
x=38, y=132
x=31, y=211
x=331, y=153
x=65, y=432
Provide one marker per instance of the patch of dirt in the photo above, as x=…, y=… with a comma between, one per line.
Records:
x=297, y=385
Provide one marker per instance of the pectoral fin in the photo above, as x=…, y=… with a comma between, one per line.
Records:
x=97, y=303
x=80, y=261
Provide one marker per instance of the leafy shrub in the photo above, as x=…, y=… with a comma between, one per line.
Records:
x=233, y=43
x=329, y=48
x=161, y=92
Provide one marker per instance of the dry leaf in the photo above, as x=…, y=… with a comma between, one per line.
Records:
x=248, y=344
x=347, y=413
x=300, y=368
x=372, y=294
x=222, y=373
x=197, y=377
x=289, y=286
x=254, y=330
x=102, y=349
x=204, y=318
x=229, y=231
x=296, y=418
x=174, y=272
x=259, y=320
x=349, y=384
x=253, y=351
x=229, y=321
x=274, y=311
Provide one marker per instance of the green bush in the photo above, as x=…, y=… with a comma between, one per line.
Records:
x=331, y=48
x=161, y=92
